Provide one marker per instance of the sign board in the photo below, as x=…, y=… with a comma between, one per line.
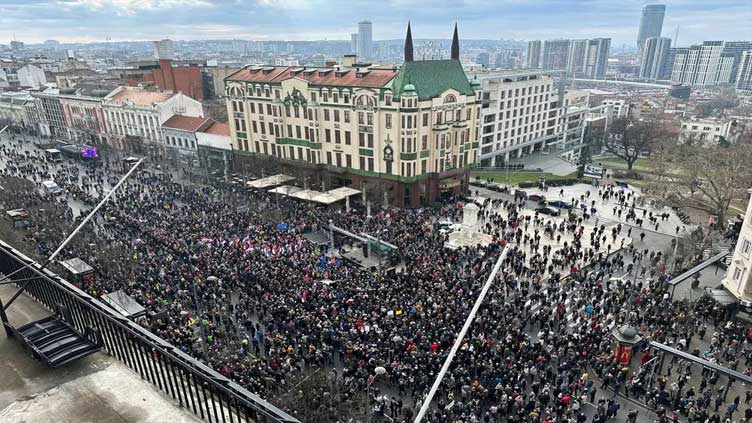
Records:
x=594, y=171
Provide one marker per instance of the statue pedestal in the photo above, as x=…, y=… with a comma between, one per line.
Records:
x=469, y=234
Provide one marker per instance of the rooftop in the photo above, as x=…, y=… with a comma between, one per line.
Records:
x=431, y=78
x=185, y=123
x=218, y=128
x=141, y=97
x=344, y=77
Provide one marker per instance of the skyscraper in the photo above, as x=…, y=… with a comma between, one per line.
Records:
x=365, y=40
x=655, y=57
x=555, y=54
x=533, y=54
x=354, y=43
x=651, y=23
x=596, y=57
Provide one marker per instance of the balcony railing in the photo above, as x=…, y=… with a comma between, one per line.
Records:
x=196, y=387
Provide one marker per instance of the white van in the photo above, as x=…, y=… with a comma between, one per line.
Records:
x=50, y=187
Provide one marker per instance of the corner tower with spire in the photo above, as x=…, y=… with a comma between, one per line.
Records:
x=408, y=44
x=455, y=55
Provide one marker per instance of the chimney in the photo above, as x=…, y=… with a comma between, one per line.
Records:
x=349, y=60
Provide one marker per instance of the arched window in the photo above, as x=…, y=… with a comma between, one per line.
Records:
x=365, y=100
x=450, y=99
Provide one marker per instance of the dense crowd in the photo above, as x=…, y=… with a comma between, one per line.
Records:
x=235, y=282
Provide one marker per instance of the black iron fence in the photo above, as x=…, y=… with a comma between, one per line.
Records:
x=195, y=386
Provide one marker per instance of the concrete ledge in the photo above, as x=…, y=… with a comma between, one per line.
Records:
x=96, y=389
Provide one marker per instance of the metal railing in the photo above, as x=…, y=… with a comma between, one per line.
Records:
x=195, y=386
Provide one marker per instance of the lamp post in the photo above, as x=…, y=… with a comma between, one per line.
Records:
x=378, y=371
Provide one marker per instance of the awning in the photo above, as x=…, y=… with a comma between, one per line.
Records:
x=271, y=181
x=326, y=198
x=343, y=192
x=306, y=194
x=285, y=190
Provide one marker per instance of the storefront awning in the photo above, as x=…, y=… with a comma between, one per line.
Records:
x=285, y=190
x=270, y=181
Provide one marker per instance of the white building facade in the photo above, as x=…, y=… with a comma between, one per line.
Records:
x=525, y=112
x=708, y=130
x=737, y=280
x=135, y=116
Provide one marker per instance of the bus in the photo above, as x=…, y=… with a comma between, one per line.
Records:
x=53, y=155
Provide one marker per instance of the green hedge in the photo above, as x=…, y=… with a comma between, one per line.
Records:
x=551, y=183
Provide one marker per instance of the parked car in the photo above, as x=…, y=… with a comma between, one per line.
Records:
x=538, y=198
x=560, y=204
x=551, y=211
x=446, y=226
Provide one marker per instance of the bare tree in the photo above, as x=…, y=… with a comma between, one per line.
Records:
x=319, y=397
x=629, y=139
x=705, y=177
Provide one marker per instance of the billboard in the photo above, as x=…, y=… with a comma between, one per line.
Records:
x=594, y=171
x=88, y=152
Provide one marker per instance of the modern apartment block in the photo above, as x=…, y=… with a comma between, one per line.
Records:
x=410, y=131
x=735, y=49
x=524, y=112
x=555, y=54
x=596, y=58
x=533, y=54
x=709, y=64
x=655, y=58
x=651, y=23
x=576, y=57
x=580, y=58
x=744, y=75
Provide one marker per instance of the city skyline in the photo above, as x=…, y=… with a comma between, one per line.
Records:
x=297, y=20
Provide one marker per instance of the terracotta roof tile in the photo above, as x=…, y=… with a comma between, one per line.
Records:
x=373, y=78
x=185, y=123
x=218, y=128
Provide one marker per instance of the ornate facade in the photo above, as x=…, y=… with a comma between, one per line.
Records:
x=408, y=133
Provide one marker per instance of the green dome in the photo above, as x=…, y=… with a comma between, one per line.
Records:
x=409, y=88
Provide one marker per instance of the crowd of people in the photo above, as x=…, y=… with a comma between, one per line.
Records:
x=235, y=282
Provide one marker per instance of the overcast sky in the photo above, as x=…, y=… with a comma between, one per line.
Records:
x=94, y=20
